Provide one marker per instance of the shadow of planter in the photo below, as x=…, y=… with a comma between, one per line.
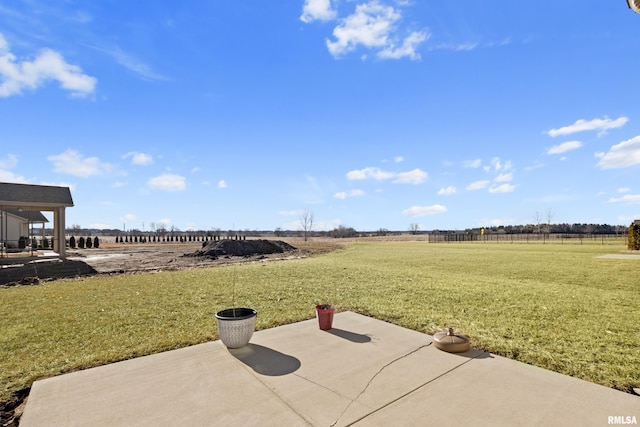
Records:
x=350, y=336
x=266, y=361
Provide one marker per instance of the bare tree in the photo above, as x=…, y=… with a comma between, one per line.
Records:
x=550, y=214
x=414, y=228
x=537, y=219
x=306, y=222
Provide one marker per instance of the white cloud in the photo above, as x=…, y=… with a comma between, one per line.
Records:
x=627, y=198
x=447, y=191
x=581, y=125
x=374, y=26
x=47, y=65
x=416, y=176
x=416, y=211
x=622, y=155
x=168, y=182
x=398, y=159
x=478, y=185
x=129, y=218
x=341, y=195
x=564, y=147
x=10, y=162
x=353, y=193
x=320, y=10
x=627, y=218
x=369, y=173
x=456, y=46
x=624, y=190
x=129, y=62
x=71, y=162
x=473, y=164
x=222, y=184
x=8, y=176
x=321, y=225
x=292, y=213
x=140, y=159
x=504, y=188
x=497, y=165
x=164, y=221
x=408, y=48
x=504, y=177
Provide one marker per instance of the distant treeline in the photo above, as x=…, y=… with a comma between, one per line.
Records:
x=162, y=234
x=552, y=229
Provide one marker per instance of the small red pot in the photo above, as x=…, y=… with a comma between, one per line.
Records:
x=324, y=313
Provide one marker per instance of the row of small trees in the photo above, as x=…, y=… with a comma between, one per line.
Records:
x=23, y=242
x=82, y=243
x=634, y=236
x=170, y=238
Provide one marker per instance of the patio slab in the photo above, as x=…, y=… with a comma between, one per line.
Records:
x=362, y=372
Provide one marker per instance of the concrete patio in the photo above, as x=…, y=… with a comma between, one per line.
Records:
x=364, y=372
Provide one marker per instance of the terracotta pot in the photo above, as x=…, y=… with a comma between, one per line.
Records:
x=324, y=313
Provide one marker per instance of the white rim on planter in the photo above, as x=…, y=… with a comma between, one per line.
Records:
x=236, y=326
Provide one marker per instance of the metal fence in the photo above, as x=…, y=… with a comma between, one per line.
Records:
x=528, y=238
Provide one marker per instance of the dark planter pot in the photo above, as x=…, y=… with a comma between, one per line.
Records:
x=324, y=313
x=236, y=326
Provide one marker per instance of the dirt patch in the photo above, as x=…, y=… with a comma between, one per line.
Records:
x=32, y=273
x=10, y=412
x=133, y=258
x=243, y=248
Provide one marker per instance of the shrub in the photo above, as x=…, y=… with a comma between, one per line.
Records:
x=89, y=243
x=81, y=243
x=634, y=237
x=72, y=242
x=96, y=242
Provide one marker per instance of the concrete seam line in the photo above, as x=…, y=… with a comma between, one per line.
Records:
x=273, y=391
x=371, y=380
x=410, y=392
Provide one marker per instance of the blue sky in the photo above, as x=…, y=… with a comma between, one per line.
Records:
x=369, y=113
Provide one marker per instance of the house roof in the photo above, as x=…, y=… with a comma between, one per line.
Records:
x=31, y=216
x=34, y=197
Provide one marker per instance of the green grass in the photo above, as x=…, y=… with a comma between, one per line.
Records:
x=550, y=305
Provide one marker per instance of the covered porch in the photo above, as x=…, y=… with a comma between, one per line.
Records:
x=29, y=201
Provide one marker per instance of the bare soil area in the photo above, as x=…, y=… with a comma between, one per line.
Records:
x=125, y=258
x=119, y=258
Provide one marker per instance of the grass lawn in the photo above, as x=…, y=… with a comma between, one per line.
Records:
x=551, y=305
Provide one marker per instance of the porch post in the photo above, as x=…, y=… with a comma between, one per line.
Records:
x=59, y=241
